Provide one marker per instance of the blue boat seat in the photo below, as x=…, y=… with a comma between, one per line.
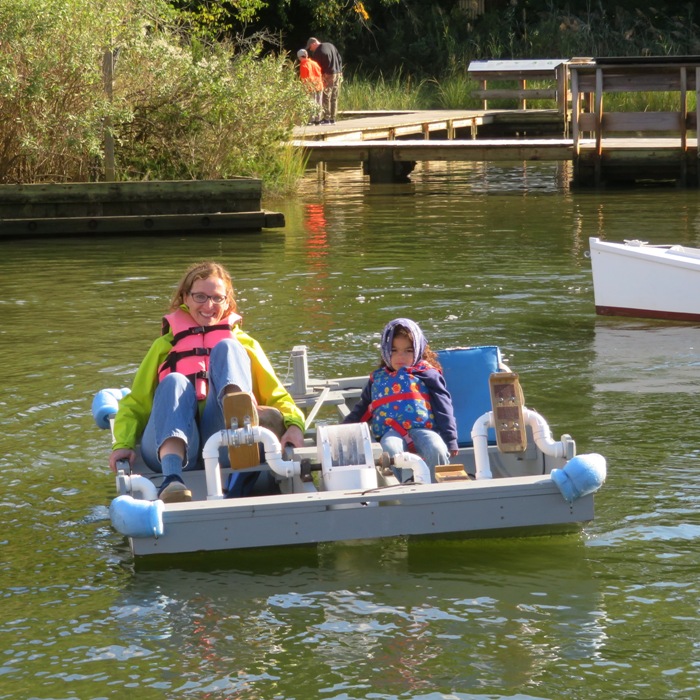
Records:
x=467, y=372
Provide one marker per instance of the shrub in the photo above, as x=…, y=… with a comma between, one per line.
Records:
x=181, y=106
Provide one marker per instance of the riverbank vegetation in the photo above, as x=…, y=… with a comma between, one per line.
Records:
x=179, y=105
x=204, y=89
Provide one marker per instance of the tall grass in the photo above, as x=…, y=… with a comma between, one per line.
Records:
x=379, y=92
x=647, y=101
x=181, y=106
x=456, y=92
x=403, y=92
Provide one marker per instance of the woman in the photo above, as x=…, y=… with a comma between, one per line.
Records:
x=175, y=403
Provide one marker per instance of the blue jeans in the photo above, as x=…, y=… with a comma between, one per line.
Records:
x=428, y=445
x=175, y=406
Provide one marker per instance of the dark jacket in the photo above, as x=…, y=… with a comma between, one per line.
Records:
x=327, y=56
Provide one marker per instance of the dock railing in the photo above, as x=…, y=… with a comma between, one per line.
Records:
x=594, y=78
x=552, y=71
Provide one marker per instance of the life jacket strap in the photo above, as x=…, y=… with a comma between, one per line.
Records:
x=395, y=425
x=199, y=330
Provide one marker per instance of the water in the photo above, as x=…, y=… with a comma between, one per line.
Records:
x=476, y=254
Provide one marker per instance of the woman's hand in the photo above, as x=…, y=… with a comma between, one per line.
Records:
x=122, y=453
x=293, y=437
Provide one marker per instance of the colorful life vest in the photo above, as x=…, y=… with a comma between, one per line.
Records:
x=192, y=346
x=400, y=400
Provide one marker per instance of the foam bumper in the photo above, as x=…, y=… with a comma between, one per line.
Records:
x=582, y=475
x=136, y=518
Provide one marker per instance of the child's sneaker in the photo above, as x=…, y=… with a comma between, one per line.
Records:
x=173, y=490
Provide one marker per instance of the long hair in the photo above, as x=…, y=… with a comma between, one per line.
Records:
x=203, y=271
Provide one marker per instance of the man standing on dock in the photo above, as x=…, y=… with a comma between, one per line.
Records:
x=328, y=57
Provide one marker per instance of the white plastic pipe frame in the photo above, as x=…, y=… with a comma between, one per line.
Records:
x=136, y=517
x=244, y=436
x=541, y=434
x=136, y=483
x=407, y=460
x=143, y=517
x=273, y=456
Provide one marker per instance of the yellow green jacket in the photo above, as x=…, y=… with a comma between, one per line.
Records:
x=135, y=408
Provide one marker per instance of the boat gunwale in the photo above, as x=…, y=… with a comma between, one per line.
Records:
x=399, y=494
x=663, y=254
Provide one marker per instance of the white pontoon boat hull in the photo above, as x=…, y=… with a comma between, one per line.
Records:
x=526, y=504
x=646, y=281
x=343, y=488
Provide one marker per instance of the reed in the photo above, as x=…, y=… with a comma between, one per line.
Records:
x=380, y=92
x=647, y=101
x=455, y=92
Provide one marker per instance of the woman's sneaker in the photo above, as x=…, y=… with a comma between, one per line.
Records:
x=173, y=490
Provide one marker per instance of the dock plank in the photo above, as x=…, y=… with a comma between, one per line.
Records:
x=457, y=149
x=389, y=154
x=389, y=125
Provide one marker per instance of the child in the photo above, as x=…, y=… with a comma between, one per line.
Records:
x=406, y=400
x=310, y=76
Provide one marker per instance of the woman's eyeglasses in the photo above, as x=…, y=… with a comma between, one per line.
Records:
x=201, y=298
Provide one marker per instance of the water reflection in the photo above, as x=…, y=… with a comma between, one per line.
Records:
x=499, y=611
x=646, y=357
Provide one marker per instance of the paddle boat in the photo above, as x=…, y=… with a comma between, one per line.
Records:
x=510, y=477
x=635, y=278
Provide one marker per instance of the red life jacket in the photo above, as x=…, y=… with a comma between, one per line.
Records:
x=192, y=346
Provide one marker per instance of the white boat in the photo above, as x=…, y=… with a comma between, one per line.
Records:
x=637, y=279
x=511, y=476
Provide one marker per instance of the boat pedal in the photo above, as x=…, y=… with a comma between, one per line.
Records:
x=507, y=403
x=239, y=411
x=450, y=472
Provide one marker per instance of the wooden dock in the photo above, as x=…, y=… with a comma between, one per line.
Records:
x=606, y=147
x=439, y=123
x=393, y=161
x=151, y=207
x=635, y=146
x=381, y=141
x=387, y=125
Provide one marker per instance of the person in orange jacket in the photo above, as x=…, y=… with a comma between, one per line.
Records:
x=310, y=75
